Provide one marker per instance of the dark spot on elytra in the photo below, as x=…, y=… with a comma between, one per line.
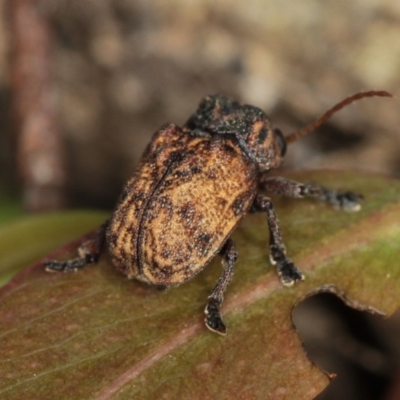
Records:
x=239, y=203
x=204, y=238
x=211, y=175
x=128, y=199
x=187, y=210
x=160, y=205
x=166, y=254
x=186, y=173
x=165, y=201
x=183, y=174
x=168, y=182
x=131, y=228
x=195, y=169
x=174, y=157
x=163, y=272
x=139, y=195
x=221, y=202
x=203, y=241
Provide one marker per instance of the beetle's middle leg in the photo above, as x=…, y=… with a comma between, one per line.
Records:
x=287, y=271
x=213, y=318
x=347, y=201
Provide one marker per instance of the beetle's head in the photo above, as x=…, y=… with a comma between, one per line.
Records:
x=250, y=128
x=246, y=125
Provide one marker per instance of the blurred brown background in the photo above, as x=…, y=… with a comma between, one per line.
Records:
x=123, y=68
x=120, y=69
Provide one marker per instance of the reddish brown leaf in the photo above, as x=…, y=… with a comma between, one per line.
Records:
x=94, y=334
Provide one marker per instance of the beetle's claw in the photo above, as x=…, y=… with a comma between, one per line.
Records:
x=349, y=201
x=289, y=273
x=214, y=323
x=54, y=266
x=213, y=318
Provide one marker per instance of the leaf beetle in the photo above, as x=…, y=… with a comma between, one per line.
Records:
x=189, y=191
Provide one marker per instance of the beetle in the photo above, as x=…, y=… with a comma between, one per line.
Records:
x=189, y=191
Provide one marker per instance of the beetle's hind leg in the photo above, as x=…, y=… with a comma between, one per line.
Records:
x=213, y=318
x=347, y=201
x=89, y=252
x=287, y=271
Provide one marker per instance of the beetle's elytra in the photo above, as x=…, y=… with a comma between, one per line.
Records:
x=191, y=188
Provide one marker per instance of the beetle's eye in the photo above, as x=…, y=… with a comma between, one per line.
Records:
x=281, y=141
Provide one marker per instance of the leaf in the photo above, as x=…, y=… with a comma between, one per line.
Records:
x=95, y=334
x=10, y=205
x=25, y=240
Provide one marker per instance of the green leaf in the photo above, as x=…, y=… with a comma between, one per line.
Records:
x=95, y=334
x=26, y=240
x=10, y=205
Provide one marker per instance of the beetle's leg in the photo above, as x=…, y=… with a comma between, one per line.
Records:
x=347, y=201
x=287, y=271
x=89, y=252
x=213, y=318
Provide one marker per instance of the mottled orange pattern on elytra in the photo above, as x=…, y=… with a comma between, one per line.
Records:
x=180, y=206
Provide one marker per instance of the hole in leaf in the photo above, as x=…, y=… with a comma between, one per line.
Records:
x=363, y=350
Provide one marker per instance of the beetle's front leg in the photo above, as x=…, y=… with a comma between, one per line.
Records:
x=347, y=201
x=89, y=252
x=213, y=318
x=287, y=271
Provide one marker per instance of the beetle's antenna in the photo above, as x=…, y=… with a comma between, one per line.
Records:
x=348, y=100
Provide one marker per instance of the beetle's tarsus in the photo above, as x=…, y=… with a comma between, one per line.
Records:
x=85, y=258
x=349, y=201
x=213, y=318
x=289, y=273
x=65, y=266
